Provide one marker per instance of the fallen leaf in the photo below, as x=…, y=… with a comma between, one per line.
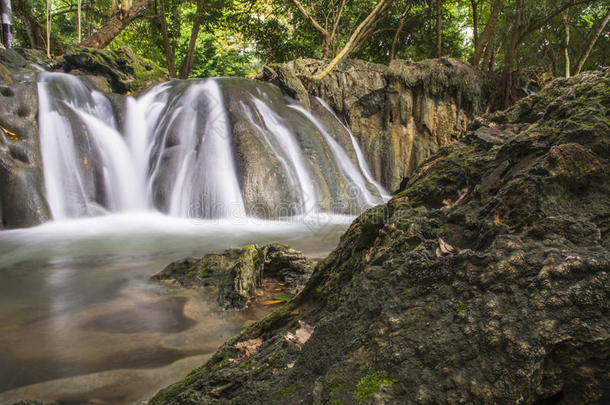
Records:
x=271, y=302
x=248, y=347
x=290, y=365
x=12, y=135
x=447, y=204
x=445, y=249
x=301, y=335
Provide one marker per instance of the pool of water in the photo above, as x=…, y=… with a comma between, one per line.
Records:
x=80, y=321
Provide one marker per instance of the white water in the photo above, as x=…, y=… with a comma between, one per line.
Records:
x=65, y=185
x=351, y=173
x=364, y=167
x=174, y=155
x=291, y=148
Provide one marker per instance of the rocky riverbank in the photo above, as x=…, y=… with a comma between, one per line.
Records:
x=484, y=280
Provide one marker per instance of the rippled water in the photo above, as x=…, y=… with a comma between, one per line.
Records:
x=80, y=322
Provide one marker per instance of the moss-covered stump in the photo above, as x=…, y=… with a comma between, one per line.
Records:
x=122, y=69
x=400, y=114
x=235, y=274
x=485, y=280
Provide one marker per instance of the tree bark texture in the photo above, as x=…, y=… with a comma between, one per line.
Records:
x=114, y=25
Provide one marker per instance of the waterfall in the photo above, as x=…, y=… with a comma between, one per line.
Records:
x=347, y=167
x=293, y=153
x=364, y=167
x=174, y=150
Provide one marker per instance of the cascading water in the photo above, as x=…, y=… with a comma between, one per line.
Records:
x=177, y=151
x=86, y=162
x=351, y=173
x=290, y=148
x=364, y=167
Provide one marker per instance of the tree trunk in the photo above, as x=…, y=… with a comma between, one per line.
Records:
x=475, y=24
x=488, y=31
x=169, y=53
x=507, y=75
x=35, y=30
x=114, y=25
x=352, y=39
x=439, y=29
x=7, y=18
x=78, y=19
x=596, y=34
x=49, y=5
x=395, y=39
x=487, y=56
x=187, y=64
x=566, y=44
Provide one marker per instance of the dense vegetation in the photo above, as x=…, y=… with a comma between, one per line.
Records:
x=194, y=38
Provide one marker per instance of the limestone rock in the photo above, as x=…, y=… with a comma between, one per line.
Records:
x=518, y=313
x=400, y=114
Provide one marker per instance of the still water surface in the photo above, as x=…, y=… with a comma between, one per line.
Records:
x=80, y=322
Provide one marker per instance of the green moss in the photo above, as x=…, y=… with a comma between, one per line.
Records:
x=334, y=386
x=288, y=391
x=460, y=308
x=370, y=384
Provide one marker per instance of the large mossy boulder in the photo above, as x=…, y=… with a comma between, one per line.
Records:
x=123, y=70
x=235, y=274
x=484, y=280
x=400, y=114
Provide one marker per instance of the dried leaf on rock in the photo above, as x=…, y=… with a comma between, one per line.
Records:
x=444, y=248
x=248, y=347
x=271, y=302
x=301, y=335
x=447, y=204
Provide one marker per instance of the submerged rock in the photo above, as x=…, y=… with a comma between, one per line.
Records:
x=400, y=114
x=484, y=280
x=236, y=273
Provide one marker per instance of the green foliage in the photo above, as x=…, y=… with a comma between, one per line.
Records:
x=370, y=384
x=236, y=37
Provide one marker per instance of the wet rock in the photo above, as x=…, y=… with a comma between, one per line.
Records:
x=22, y=201
x=121, y=69
x=400, y=114
x=235, y=274
x=515, y=312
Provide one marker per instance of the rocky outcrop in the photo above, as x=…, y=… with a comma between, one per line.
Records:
x=22, y=201
x=400, y=113
x=120, y=71
x=235, y=274
x=484, y=280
